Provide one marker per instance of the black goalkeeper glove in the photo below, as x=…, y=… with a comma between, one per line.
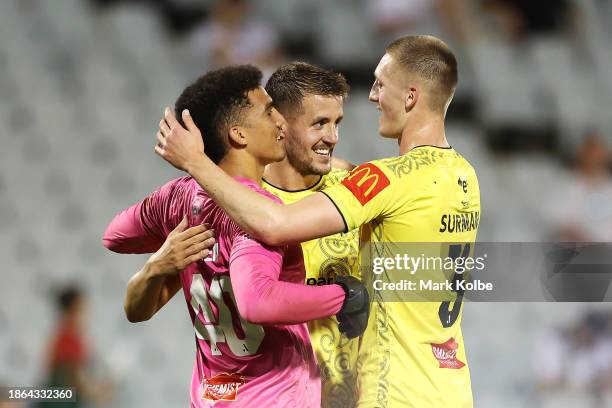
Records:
x=353, y=316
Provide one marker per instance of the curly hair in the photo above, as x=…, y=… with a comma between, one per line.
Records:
x=216, y=101
x=291, y=82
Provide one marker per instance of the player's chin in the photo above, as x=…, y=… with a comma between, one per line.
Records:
x=321, y=166
x=386, y=133
x=279, y=155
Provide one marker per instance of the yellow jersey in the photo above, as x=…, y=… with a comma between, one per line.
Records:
x=325, y=258
x=412, y=353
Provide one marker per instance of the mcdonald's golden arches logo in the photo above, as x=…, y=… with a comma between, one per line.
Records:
x=365, y=182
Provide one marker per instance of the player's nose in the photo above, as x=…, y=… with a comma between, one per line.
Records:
x=373, y=96
x=331, y=135
x=280, y=121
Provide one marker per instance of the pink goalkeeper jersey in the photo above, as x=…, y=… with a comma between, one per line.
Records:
x=247, y=302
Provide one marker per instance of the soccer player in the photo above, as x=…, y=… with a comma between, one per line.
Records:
x=247, y=301
x=412, y=353
x=311, y=100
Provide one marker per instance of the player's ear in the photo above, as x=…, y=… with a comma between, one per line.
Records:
x=237, y=136
x=411, y=98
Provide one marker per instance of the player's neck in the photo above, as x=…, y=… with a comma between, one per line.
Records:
x=425, y=132
x=70, y=321
x=244, y=166
x=283, y=175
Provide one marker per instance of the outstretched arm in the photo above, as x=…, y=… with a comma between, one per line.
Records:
x=143, y=227
x=262, y=298
x=313, y=217
x=127, y=234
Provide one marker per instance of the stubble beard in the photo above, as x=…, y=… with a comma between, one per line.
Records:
x=303, y=162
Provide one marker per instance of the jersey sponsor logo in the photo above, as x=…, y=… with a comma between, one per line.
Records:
x=221, y=387
x=463, y=184
x=365, y=182
x=446, y=354
x=460, y=222
x=319, y=281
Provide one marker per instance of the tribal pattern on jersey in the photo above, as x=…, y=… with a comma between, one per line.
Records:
x=412, y=354
x=324, y=259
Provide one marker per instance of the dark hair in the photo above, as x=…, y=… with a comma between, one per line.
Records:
x=291, y=82
x=430, y=59
x=216, y=101
x=67, y=297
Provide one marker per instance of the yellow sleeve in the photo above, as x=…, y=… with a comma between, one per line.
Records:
x=366, y=193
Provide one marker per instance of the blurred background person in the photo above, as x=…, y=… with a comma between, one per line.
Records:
x=233, y=35
x=581, y=208
x=69, y=359
x=11, y=404
x=392, y=19
x=574, y=360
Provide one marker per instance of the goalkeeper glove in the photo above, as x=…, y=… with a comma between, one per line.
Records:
x=353, y=316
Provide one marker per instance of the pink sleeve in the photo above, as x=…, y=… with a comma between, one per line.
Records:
x=143, y=227
x=127, y=233
x=262, y=299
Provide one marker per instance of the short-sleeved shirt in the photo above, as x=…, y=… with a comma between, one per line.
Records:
x=412, y=353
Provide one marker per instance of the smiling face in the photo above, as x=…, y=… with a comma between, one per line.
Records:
x=313, y=133
x=264, y=127
x=390, y=94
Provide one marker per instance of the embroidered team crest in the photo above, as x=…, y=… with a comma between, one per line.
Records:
x=446, y=354
x=221, y=387
x=196, y=206
x=365, y=182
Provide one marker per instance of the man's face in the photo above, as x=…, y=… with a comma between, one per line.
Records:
x=389, y=93
x=265, y=127
x=313, y=133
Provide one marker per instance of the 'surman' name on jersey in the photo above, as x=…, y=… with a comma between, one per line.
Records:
x=460, y=222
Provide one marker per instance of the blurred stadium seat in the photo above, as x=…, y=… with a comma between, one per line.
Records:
x=81, y=90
